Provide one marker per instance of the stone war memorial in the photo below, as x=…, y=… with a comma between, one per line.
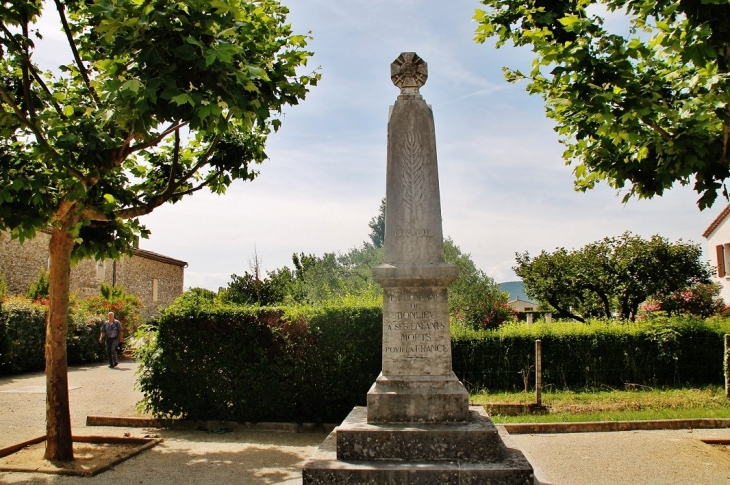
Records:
x=418, y=427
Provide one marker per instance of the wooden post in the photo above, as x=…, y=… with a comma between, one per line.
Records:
x=726, y=365
x=538, y=371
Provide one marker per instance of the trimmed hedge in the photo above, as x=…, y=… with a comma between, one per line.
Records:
x=681, y=351
x=261, y=364
x=23, y=333
x=314, y=364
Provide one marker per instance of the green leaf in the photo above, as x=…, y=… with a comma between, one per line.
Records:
x=181, y=99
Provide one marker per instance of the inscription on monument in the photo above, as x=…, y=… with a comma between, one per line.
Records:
x=415, y=328
x=413, y=233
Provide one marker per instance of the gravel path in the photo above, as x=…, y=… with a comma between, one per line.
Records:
x=266, y=457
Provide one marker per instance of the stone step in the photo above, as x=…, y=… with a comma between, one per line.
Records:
x=474, y=441
x=323, y=468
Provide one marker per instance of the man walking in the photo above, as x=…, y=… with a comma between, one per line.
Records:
x=113, y=331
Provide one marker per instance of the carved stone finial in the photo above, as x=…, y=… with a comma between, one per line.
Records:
x=409, y=72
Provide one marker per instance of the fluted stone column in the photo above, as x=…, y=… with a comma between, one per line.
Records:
x=417, y=382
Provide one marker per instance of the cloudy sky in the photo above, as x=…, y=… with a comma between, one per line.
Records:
x=504, y=186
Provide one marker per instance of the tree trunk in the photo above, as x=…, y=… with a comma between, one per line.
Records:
x=59, y=445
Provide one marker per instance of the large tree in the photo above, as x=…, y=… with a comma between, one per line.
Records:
x=642, y=110
x=612, y=276
x=158, y=99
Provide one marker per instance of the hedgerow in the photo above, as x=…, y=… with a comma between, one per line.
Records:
x=23, y=331
x=260, y=364
x=313, y=364
x=663, y=351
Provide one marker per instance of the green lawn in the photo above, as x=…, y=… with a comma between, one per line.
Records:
x=707, y=402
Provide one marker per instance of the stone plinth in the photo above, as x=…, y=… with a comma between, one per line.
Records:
x=473, y=441
x=470, y=453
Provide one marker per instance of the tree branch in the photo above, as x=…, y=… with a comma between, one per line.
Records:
x=156, y=140
x=24, y=68
x=24, y=119
x=155, y=202
x=662, y=132
x=33, y=71
x=72, y=44
x=553, y=302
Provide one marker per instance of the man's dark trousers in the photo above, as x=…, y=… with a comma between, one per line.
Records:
x=111, y=350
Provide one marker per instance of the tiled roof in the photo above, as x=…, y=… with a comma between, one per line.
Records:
x=718, y=220
x=143, y=253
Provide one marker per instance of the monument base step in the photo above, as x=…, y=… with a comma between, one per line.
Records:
x=510, y=467
x=476, y=440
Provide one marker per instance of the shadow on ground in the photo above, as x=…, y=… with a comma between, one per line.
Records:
x=193, y=457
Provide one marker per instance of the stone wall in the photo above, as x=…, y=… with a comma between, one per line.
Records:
x=156, y=279
x=20, y=264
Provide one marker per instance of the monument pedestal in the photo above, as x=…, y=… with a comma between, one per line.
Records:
x=469, y=453
x=417, y=399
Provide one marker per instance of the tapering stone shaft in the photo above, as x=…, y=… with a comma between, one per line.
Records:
x=417, y=382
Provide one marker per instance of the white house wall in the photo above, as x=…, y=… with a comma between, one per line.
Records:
x=721, y=237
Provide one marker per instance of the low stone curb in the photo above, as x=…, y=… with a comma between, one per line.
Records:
x=214, y=426
x=515, y=428
x=603, y=426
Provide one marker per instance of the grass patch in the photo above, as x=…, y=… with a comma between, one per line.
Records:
x=615, y=405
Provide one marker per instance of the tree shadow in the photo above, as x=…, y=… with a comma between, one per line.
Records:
x=194, y=457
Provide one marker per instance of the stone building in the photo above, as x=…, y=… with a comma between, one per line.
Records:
x=156, y=279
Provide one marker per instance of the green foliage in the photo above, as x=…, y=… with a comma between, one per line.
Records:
x=23, y=333
x=474, y=298
x=250, y=290
x=39, y=288
x=660, y=352
x=643, y=110
x=377, y=226
x=260, y=364
x=102, y=132
x=3, y=287
x=612, y=276
x=24, y=329
x=307, y=363
x=127, y=307
x=701, y=299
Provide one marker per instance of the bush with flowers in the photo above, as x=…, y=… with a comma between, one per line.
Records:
x=701, y=300
x=127, y=308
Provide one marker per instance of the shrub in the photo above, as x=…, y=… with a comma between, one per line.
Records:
x=661, y=352
x=260, y=364
x=314, y=363
x=39, y=288
x=127, y=307
x=23, y=333
x=24, y=325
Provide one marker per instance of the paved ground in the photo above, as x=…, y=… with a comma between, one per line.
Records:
x=256, y=457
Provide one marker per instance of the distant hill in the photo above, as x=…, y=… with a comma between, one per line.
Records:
x=515, y=290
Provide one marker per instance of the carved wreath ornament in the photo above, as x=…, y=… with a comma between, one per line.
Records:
x=413, y=177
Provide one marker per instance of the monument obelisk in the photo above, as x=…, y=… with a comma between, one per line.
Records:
x=417, y=426
x=417, y=383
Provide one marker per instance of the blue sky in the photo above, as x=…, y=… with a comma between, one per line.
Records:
x=504, y=185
